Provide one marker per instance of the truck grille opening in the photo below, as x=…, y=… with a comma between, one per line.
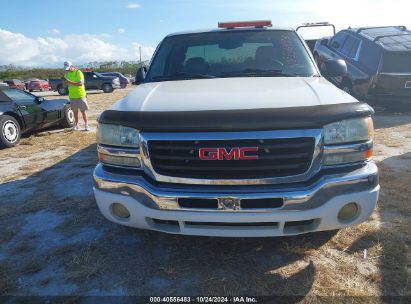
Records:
x=261, y=203
x=200, y=203
x=298, y=223
x=217, y=224
x=164, y=225
x=293, y=227
x=276, y=158
x=165, y=222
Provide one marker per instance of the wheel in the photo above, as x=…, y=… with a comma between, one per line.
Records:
x=62, y=90
x=42, y=90
x=10, y=131
x=30, y=90
x=68, y=120
x=107, y=88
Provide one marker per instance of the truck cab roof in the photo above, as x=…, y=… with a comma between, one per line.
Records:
x=203, y=31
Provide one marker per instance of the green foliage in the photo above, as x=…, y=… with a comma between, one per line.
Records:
x=13, y=72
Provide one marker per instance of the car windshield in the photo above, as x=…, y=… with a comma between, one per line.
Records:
x=18, y=95
x=397, y=62
x=255, y=53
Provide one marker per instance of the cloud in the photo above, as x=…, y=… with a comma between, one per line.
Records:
x=133, y=5
x=105, y=35
x=18, y=49
x=54, y=31
x=121, y=30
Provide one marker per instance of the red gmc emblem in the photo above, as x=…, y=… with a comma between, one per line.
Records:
x=224, y=154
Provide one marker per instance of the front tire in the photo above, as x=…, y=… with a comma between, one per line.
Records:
x=10, y=132
x=107, y=88
x=68, y=120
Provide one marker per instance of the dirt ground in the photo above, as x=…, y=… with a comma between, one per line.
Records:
x=54, y=241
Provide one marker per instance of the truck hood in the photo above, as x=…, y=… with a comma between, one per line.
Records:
x=233, y=94
x=234, y=104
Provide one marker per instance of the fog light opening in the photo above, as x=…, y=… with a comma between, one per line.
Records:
x=349, y=212
x=120, y=211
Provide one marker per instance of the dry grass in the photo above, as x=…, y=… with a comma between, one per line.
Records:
x=85, y=264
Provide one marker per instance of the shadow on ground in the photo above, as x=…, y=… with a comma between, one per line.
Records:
x=54, y=241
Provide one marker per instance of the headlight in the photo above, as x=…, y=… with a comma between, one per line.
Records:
x=348, y=141
x=349, y=131
x=114, y=135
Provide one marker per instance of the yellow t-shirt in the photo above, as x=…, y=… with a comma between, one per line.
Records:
x=76, y=91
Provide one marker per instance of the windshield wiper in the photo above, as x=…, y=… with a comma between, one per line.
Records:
x=258, y=73
x=184, y=75
x=196, y=75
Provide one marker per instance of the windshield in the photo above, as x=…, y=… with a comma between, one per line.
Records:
x=265, y=53
x=397, y=62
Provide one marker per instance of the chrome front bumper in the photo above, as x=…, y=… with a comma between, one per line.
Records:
x=295, y=196
x=306, y=208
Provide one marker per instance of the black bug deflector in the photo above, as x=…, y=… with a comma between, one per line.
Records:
x=237, y=120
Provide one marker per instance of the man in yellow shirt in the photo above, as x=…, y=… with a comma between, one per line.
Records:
x=74, y=79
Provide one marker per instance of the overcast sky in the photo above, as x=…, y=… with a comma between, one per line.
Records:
x=47, y=32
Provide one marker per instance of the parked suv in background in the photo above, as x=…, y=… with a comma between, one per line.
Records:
x=378, y=62
x=124, y=81
x=92, y=81
x=16, y=84
x=234, y=132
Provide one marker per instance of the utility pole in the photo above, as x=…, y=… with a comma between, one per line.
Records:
x=140, y=54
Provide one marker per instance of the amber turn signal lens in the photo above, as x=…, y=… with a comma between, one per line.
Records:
x=100, y=156
x=368, y=154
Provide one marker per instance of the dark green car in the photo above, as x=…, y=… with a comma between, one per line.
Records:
x=22, y=112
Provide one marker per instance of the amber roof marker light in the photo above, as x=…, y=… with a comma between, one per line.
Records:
x=239, y=24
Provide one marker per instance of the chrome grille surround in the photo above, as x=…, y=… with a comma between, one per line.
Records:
x=315, y=166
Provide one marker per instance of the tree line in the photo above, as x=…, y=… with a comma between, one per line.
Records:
x=14, y=72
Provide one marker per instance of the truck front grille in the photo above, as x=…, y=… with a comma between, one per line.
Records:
x=277, y=157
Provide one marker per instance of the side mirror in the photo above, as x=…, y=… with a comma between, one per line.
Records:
x=324, y=41
x=140, y=75
x=333, y=68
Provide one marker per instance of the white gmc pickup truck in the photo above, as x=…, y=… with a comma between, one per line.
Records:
x=235, y=132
